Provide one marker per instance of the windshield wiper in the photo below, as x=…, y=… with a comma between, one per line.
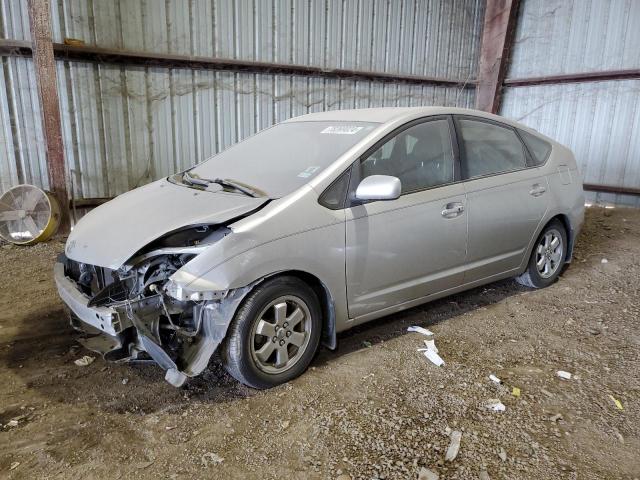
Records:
x=195, y=181
x=225, y=183
x=237, y=186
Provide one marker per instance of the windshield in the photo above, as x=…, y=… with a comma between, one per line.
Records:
x=281, y=159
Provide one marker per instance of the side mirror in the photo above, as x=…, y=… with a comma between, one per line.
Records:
x=379, y=187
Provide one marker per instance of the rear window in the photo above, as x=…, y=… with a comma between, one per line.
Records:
x=539, y=148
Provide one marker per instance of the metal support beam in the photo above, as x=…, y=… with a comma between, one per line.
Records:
x=145, y=59
x=611, y=189
x=46, y=80
x=500, y=19
x=575, y=78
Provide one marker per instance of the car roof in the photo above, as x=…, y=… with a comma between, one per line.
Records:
x=388, y=114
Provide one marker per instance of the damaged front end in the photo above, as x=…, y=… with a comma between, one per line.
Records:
x=128, y=314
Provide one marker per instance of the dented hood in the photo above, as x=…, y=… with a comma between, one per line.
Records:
x=110, y=234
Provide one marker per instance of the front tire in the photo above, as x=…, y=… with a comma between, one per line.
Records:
x=547, y=258
x=275, y=333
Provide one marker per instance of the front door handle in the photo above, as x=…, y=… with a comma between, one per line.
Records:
x=452, y=210
x=537, y=190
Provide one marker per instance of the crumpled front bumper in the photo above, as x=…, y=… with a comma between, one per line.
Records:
x=105, y=319
x=110, y=332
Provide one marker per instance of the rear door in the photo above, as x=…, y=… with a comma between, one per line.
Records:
x=404, y=249
x=506, y=196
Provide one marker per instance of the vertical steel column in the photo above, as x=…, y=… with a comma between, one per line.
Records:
x=46, y=79
x=500, y=20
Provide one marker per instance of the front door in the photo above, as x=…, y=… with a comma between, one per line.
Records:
x=405, y=249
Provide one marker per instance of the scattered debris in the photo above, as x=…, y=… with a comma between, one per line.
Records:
x=502, y=454
x=496, y=405
x=434, y=357
x=12, y=423
x=617, y=402
x=556, y=417
x=285, y=424
x=421, y=330
x=211, y=458
x=84, y=361
x=431, y=345
x=426, y=474
x=366, y=344
x=14, y=465
x=170, y=427
x=564, y=375
x=515, y=392
x=604, y=260
x=125, y=381
x=495, y=379
x=454, y=446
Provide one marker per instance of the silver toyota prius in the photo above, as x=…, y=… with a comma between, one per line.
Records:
x=312, y=226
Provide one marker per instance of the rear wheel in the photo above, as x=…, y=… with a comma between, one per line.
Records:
x=547, y=257
x=275, y=333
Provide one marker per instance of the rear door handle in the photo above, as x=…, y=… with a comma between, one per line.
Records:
x=452, y=210
x=537, y=190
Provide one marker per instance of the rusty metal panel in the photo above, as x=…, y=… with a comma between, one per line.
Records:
x=557, y=37
x=599, y=121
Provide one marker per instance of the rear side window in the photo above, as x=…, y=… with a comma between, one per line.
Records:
x=539, y=148
x=490, y=149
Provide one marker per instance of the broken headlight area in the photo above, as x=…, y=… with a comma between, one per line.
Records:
x=129, y=316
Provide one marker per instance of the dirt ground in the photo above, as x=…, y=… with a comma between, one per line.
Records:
x=375, y=408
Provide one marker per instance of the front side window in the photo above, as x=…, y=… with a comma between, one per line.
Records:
x=489, y=148
x=420, y=156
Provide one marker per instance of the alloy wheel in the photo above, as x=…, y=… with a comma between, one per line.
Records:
x=281, y=334
x=549, y=253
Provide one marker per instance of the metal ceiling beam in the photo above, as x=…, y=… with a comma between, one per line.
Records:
x=46, y=81
x=500, y=20
x=84, y=53
x=574, y=78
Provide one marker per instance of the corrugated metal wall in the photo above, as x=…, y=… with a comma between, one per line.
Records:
x=124, y=126
x=599, y=121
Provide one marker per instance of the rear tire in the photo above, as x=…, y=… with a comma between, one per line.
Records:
x=275, y=333
x=547, y=258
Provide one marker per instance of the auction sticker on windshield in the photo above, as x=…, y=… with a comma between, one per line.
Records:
x=342, y=129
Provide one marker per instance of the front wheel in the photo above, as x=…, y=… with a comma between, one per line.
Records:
x=547, y=257
x=275, y=333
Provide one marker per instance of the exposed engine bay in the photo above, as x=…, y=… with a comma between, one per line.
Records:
x=141, y=319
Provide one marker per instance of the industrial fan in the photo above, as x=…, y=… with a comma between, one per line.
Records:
x=28, y=215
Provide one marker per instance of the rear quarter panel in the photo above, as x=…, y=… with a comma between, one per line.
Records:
x=566, y=196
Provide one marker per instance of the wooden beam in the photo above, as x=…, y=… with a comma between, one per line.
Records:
x=85, y=53
x=500, y=20
x=46, y=81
